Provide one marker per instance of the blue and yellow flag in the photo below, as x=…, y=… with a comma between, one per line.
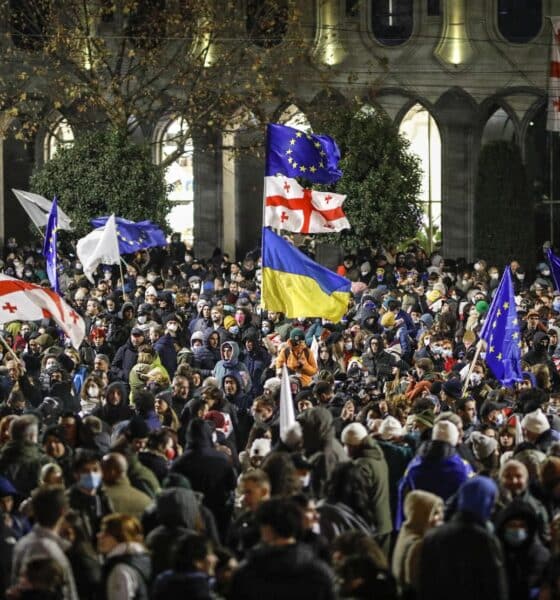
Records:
x=49, y=247
x=554, y=262
x=294, y=284
x=501, y=333
x=294, y=153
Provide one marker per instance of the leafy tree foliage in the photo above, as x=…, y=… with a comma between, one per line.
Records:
x=102, y=173
x=381, y=179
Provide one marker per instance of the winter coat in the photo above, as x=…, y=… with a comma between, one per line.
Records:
x=127, y=499
x=380, y=364
x=338, y=518
x=113, y=414
x=127, y=573
x=280, y=572
x=397, y=456
x=125, y=359
x=225, y=367
x=165, y=348
x=299, y=360
x=177, y=513
x=256, y=361
x=91, y=508
x=194, y=585
x=321, y=448
x=419, y=507
x=21, y=463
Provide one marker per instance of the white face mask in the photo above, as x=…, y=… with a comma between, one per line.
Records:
x=436, y=306
x=494, y=275
x=172, y=327
x=93, y=391
x=348, y=346
x=142, y=319
x=305, y=480
x=476, y=379
x=546, y=273
x=520, y=276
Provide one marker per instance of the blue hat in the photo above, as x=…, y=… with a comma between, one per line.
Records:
x=7, y=488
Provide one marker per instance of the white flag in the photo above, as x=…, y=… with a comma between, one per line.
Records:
x=22, y=301
x=553, y=111
x=315, y=348
x=288, y=424
x=291, y=207
x=100, y=247
x=38, y=209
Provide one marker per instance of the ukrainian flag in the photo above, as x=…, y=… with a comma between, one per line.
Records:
x=294, y=284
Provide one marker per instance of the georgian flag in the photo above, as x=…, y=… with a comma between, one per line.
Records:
x=553, y=111
x=22, y=301
x=293, y=208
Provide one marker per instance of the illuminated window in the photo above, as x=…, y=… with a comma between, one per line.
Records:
x=392, y=21
x=498, y=127
x=59, y=135
x=420, y=128
x=179, y=177
x=519, y=21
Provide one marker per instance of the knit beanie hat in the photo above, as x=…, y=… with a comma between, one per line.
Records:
x=354, y=434
x=388, y=320
x=297, y=334
x=483, y=445
x=426, y=418
x=390, y=428
x=481, y=307
x=445, y=431
x=535, y=422
x=260, y=447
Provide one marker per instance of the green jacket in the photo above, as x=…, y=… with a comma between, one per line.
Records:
x=21, y=463
x=373, y=463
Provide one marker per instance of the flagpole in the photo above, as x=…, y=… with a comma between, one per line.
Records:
x=472, y=365
x=8, y=348
x=551, y=184
x=125, y=295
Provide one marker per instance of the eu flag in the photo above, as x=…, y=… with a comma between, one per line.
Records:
x=49, y=247
x=293, y=153
x=500, y=331
x=554, y=262
x=134, y=236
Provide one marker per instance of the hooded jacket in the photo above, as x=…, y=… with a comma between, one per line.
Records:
x=419, y=507
x=177, y=513
x=321, y=447
x=462, y=559
x=124, y=360
x=380, y=363
x=113, y=414
x=225, y=367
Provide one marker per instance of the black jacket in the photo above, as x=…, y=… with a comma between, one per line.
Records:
x=280, y=572
x=194, y=586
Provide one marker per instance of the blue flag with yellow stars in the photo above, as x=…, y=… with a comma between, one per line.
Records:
x=501, y=333
x=49, y=246
x=134, y=236
x=554, y=262
x=294, y=153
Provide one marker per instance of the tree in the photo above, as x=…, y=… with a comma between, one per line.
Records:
x=381, y=179
x=502, y=203
x=102, y=173
x=123, y=64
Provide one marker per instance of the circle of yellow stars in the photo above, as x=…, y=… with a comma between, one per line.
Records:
x=304, y=168
x=514, y=335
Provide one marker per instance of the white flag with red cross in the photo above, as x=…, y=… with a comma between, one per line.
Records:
x=553, y=112
x=22, y=301
x=291, y=207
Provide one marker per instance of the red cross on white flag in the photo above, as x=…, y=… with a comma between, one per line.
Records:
x=22, y=301
x=553, y=112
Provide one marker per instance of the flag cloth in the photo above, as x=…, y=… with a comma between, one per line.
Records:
x=553, y=110
x=49, y=247
x=294, y=153
x=294, y=208
x=554, y=262
x=22, y=301
x=38, y=208
x=288, y=423
x=134, y=236
x=99, y=247
x=294, y=284
x=501, y=333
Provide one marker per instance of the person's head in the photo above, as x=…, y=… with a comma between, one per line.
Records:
x=280, y=521
x=69, y=424
x=49, y=504
x=118, y=529
x=353, y=438
x=466, y=409
x=53, y=442
x=263, y=408
x=113, y=467
x=254, y=488
x=14, y=370
x=87, y=470
x=16, y=400
x=514, y=477
x=193, y=552
x=137, y=432
x=181, y=387
x=25, y=429
x=230, y=385
x=101, y=363
x=44, y=575
x=136, y=337
x=227, y=351
x=534, y=424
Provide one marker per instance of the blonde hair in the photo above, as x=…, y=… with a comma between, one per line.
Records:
x=123, y=528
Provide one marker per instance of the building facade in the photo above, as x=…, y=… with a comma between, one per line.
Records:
x=453, y=74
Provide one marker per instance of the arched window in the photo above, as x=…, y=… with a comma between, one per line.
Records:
x=294, y=117
x=420, y=128
x=59, y=134
x=27, y=21
x=519, y=21
x=266, y=21
x=498, y=127
x=179, y=176
x=392, y=21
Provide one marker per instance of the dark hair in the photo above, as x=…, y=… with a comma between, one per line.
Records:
x=158, y=439
x=283, y=516
x=348, y=485
x=144, y=401
x=189, y=549
x=462, y=402
x=49, y=503
x=45, y=575
x=84, y=457
x=282, y=474
x=359, y=543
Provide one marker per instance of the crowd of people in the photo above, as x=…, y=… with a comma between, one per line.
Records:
x=149, y=462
